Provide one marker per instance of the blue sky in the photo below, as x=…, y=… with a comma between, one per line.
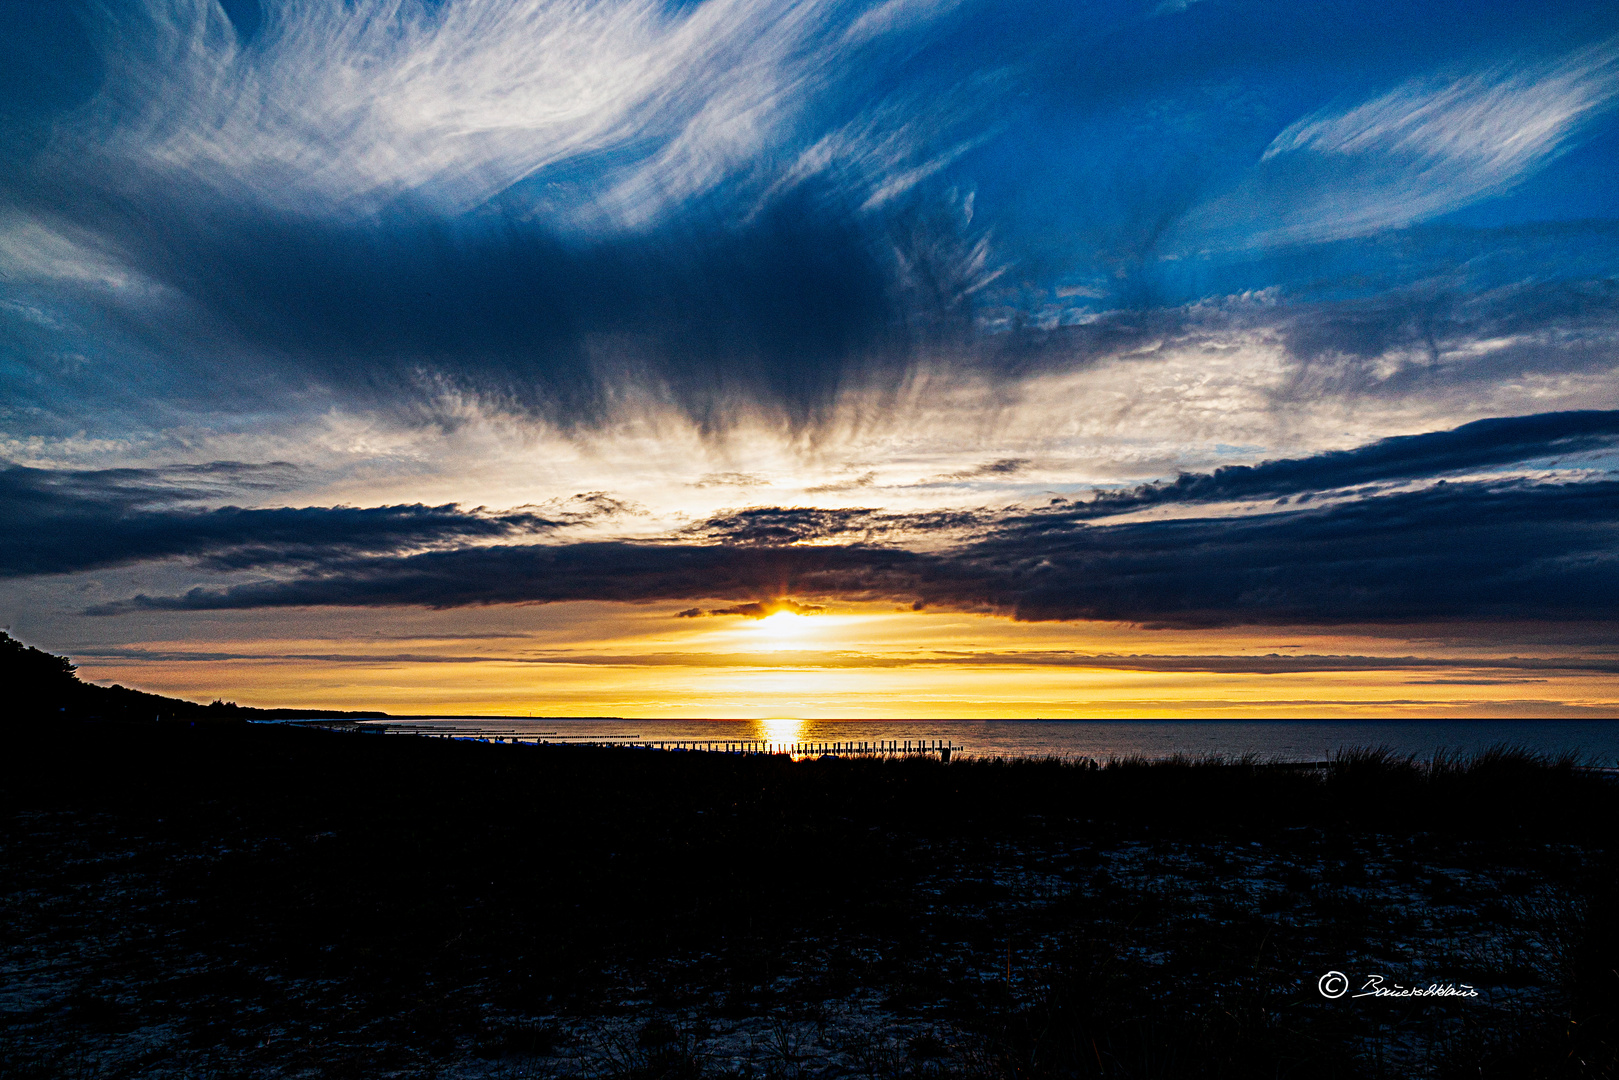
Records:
x=471, y=284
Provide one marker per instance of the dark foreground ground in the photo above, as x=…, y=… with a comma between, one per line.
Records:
x=226, y=900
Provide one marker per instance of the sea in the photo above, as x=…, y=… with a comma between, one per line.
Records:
x=1593, y=742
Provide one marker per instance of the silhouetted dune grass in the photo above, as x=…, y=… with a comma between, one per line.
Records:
x=238, y=896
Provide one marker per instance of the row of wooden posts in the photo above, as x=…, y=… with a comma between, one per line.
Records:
x=856, y=748
x=871, y=748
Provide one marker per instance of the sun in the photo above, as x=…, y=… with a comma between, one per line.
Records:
x=782, y=630
x=783, y=624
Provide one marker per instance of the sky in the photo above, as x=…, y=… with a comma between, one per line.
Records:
x=822, y=358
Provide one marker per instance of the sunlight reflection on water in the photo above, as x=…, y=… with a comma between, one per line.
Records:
x=780, y=731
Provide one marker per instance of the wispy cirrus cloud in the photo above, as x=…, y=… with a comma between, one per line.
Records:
x=355, y=105
x=1426, y=147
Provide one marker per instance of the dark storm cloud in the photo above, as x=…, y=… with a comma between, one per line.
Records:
x=142, y=488
x=59, y=521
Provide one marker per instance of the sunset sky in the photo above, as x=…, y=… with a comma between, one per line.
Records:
x=744, y=358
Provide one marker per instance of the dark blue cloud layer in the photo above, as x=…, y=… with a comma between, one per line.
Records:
x=1481, y=445
x=709, y=313
x=1454, y=552
x=59, y=521
x=1510, y=549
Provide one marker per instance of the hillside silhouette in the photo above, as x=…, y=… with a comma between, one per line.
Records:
x=43, y=686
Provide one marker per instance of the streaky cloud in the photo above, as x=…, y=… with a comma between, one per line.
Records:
x=732, y=210
x=1502, y=122
x=353, y=105
x=553, y=209
x=756, y=610
x=1429, y=146
x=1483, y=444
x=606, y=570
x=60, y=521
x=1267, y=664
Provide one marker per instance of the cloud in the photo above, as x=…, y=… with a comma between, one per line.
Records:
x=776, y=525
x=760, y=610
x=1423, y=316
x=1500, y=123
x=60, y=521
x=1514, y=547
x=1001, y=467
x=864, y=480
x=738, y=211
x=552, y=209
x=613, y=571
x=731, y=479
x=1463, y=550
x=1459, y=551
x=1271, y=664
x=893, y=15
x=359, y=104
x=1424, y=148
x=1483, y=444
x=402, y=309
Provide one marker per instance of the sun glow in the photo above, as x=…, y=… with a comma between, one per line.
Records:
x=782, y=630
x=783, y=623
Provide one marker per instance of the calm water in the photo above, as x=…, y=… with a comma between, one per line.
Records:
x=1289, y=740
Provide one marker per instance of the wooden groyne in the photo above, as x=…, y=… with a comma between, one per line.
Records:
x=872, y=748
x=941, y=748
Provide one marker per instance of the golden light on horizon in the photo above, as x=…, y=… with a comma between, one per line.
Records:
x=871, y=661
